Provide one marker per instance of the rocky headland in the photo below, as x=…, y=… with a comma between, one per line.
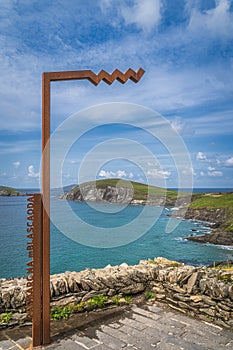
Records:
x=123, y=192
x=9, y=192
x=215, y=208
x=218, y=213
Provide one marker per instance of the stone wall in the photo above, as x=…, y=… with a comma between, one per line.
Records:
x=199, y=291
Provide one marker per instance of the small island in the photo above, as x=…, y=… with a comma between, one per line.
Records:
x=214, y=208
x=9, y=192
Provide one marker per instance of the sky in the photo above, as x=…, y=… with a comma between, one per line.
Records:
x=186, y=50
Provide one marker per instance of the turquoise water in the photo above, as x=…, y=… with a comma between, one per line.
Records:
x=67, y=255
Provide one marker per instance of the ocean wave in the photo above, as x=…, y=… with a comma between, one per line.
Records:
x=198, y=222
x=224, y=247
x=206, y=230
x=180, y=239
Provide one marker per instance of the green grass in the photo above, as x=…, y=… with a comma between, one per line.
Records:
x=97, y=300
x=149, y=295
x=60, y=313
x=116, y=300
x=128, y=298
x=141, y=191
x=6, y=317
x=229, y=226
x=9, y=191
x=210, y=201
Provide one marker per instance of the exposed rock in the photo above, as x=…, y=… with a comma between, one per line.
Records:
x=217, y=217
x=9, y=192
x=220, y=238
x=122, y=192
x=196, y=298
x=90, y=193
x=204, y=292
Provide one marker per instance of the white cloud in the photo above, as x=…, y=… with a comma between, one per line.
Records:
x=144, y=13
x=181, y=76
x=201, y=156
x=131, y=175
x=161, y=174
x=121, y=173
x=229, y=162
x=173, y=88
x=215, y=173
x=202, y=173
x=31, y=172
x=217, y=22
x=16, y=164
x=188, y=171
x=210, y=168
x=118, y=174
x=183, y=128
x=107, y=174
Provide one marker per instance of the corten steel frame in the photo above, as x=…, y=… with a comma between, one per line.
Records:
x=41, y=333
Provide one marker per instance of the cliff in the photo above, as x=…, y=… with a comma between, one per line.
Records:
x=123, y=192
x=216, y=209
x=8, y=191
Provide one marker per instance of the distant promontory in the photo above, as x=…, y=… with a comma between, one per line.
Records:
x=9, y=192
x=123, y=192
x=215, y=208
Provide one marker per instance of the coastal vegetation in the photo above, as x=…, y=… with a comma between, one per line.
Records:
x=200, y=291
x=95, y=302
x=6, y=317
x=216, y=208
x=123, y=191
x=213, y=200
x=60, y=313
x=8, y=191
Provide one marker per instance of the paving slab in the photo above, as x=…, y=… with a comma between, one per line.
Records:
x=136, y=327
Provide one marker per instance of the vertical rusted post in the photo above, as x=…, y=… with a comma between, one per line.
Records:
x=37, y=252
x=46, y=209
x=34, y=266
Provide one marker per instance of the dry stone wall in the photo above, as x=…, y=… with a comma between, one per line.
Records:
x=199, y=291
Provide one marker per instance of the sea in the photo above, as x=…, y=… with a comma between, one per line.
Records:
x=68, y=254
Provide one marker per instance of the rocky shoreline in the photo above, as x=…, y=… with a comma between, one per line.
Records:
x=123, y=192
x=217, y=219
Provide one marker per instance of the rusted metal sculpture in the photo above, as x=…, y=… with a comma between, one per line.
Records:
x=38, y=294
x=33, y=297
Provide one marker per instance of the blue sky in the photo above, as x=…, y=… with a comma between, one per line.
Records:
x=186, y=49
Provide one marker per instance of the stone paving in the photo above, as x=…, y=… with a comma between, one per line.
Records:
x=138, y=327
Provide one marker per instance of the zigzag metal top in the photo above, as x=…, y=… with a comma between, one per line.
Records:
x=96, y=78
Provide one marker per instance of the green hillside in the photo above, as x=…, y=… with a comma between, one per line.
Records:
x=141, y=192
x=8, y=191
x=213, y=200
